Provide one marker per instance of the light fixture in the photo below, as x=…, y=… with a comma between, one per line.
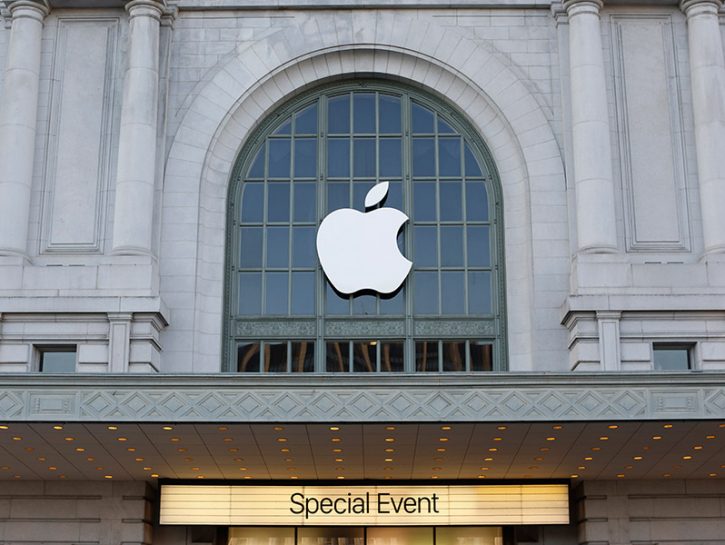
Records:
x=484, y=468
x=441, y=449
x=498, y=438
x=709, y=437
x=596, y=449
x=222, y=428
x=687, y=457
x=551, y=438
x=539, y=459
x=574, y=476
x=334, y=428
x=167, y=428
x=390, y=439
x=488, y=459
x=340, y=477
x=281, y=439
x=656, y=437
x=697, y=447
x=339, y=459
x=4, y=427
x=154, y=475
x=181, y=449
x=69, y=439
x=131, y=449
x=544, y=449
x=58, y=427
x=613, y=427
x=121, y=439
x=52, y=468
x=557, y=427
x=138, y=459
x=501, y=428
x=582, y=468
x=388, y=459
x=278, y=428
x=91, y=459
x=335, y=450
x=390, y=428
x=108, y=476
x=712, y=474
x=80, y=449
x=604, y=438
x=637, y=458
x=243, y=469
x=620, y=475
x=389, y=449
x=667, y=426
x=492, y=449
x=667, y=475
x=445, y=428
x=443, y=439
x=335, y=439
x=233, y=450
x=112, y=428
x=284, y=449
x=147, y=468
x=588, y=458
x=174, y=439
x=481, y=476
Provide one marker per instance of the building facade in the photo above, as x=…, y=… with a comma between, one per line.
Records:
x=168, y=333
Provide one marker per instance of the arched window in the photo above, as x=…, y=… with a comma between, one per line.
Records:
x=324, y=152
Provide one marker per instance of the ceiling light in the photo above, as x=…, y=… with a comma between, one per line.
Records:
x=709, y=437
x=4, y=427
x=687, y=457
x=604, y=438
x=582, y=467
x=147, y=468
x=91, y=459
x=278, y=428
x=42, y=458
x=613, y=427
x=539, y=459
x=656, y=437
x=544, y=449
x=334, y=428
x=484, y=468
x=389, y=449
x=551, y=438
x=174, y=439
x=628, y=467
x=335, y=450
x=498, y=438
x=181, y=449
x=112, y=428
x=667, y=426
x=340, y=477
x=139, y=459
x=441, y=449
x=501, y=428
x=334, y=440
x=52, y=468
x=284, y=449
x=492, y=450
x=481, y=476
x=17, y=438
x=121, y=439
x=388, y=459
x=281, y=439
x=293, y=477
x=223, y=428
x=99, y=468
x=697, y=447
x=637, y=458
x=574, y=476
x=437, y=468
x=390, y=439
x=588, y=458
x=339, y=459
x=58, y=427
x=133, y=449
x=434, y=476
x=712, y=474
x=80, y=449
x=445, y=428
x=489, y=459
x=155, y=475
x=247, y=476
x=233, y=449
x=667, y=475
x=620, y=475
x=390, y=428
x=69, y=438
x=195, y=469
x=243, y=469
x=443, y=439
x=167, y=428
x=596, y=449
x=108, y=476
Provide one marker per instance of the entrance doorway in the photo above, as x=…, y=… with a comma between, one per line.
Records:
x=370, y=535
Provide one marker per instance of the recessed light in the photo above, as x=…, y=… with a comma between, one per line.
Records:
x=388, y=459
x=167, y=428
x=108, y=476
x=281, y=439
x=551, y=438
x=596, y=449
x=195, y=469
x=628, y=467
x=484, y=468
x=390, y=439
x=697, y=447
x=389, y=449
x=557, y=427
x=61, y=476
x=336, y=439
x=437, y=468
x=340, y=477
x=443, y=439
x=69, y=438
x=222, y=428
x=620, y=475
x=501, y=428
x=637, y=458
x=588, y=458
x=278, y=428
x=339, y=469
x=288, y=460
x=155, y=475
x=604, y=438
x=52, y=468
x=147, y=468
x=174, y=439
x=667, y=475
x=334, y=428
x=112, y=428
x=481, y=476
x=539, y=459
x=667, y=426
x=709, y=437
x=613, y=427
x=247, y=476
x=284, y=449
x=139, y=459
x=58, y=427
x=687, y=457
x=574, y=476
x=337, y=450
x=434, y=476
x=544, y=449
x=441, y=449
x=390, y=428
x=243, y=469
x=445, y=428
x=293, y=477
x=91, y=459
x=656, y=437
x=233, y=450
x=131, y=449
x=5, y=468
x=493, y=449
x=4, y=427
x=712, y=474
x=488, y=459
x=17, y=438
x=99, y=468
x=721, y=426
x=80, y=449
x=582, y=467
x=339, y=459
x=181, y=449
x=121, y=439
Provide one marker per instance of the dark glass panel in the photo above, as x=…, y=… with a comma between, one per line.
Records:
x=306, y=120
x=424, y=201
x=473, y=169
x=364, y=356
x=395, y=196
x=338, y=195
x=305, y=202
x=278, y=202
x=424, y=160
x=276, y=293
x=338, y=158
x=478, y=246
x=453, y=292
x=278, y=247
x=476, y=202
x=422, y=119
x=449, y=156
x=454, y=355
x=390, y=158
x=303, y=247
x=671, y=357
x=338, y=115
x=426, y=356
x=425, y=246
x=426, y=292
x=364, y=305
x=252, y=202
x=337, y=357
x=335, y=303
x=303, y=293
x=248, y=357
x=279, y=157
x=451, y=195
x=479, y=292
x=250, y=248
x=363, y=113
x=364, y=157
x=250, y=293
x=444, y=128
x=481, y=356
x=389, y=107
x=284, y=128
x=306, y=158
x=451, y=246
x=257, y=168
x=393, y=304
x=275, y=357
x=392, y=356
x=359, y=191
x=303, y=356
x=58, y=361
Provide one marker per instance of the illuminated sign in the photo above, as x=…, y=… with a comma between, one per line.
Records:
x=365, y=505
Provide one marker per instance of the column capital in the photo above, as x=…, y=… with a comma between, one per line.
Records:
x=34, y=9
x=146, y=8
x=576, y=7
x=700, y=7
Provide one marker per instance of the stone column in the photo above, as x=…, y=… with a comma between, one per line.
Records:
x=592, y=153
x=18, y=119
x=707, y=72
x=136, y=173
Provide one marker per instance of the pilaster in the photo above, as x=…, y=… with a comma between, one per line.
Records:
x=609, y=347
x=119, y=341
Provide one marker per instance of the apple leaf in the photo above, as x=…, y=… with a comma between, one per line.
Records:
x=376, y=195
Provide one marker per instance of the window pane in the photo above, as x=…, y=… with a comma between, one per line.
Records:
x=364, y=305
x=337, y=357
x=422, y=119
x=250, y=293
x=444, y=128
x=335, y=303
x=424, y=201
x=364, y=112
x=279, y=158
x=305, y=158
x=426, y=356
x=248, y=358
x=477, y=244
x=303, y=247
x=284, y=128
x=303, y=293
x=306, y=120
x=364, y=157
x=305, y=202
x=257, y=168
x=476, y=201
x=423, y=157
x=278, y=247
x=338, y=196
x=364, y=357
x=389, y=114
x=425, y=246
x=252, y=202
x=359, y=191
x=395, y=196
x=250, y=251
x=426, y=292
x=52, y=361
x=338, y=115
x=278, y=202
x=451, y=201
x=451, y=246
x=452, y=296
x=390, y=157
x=481, y=356
x=393, y=304
x=392, y=356
x=454, y=356
x=671, y=358
x=479, y=293
x=303, y=356
x=275, y=357
x=338, y=158
x=276, y=293
x=473, y=169
x=449, y=156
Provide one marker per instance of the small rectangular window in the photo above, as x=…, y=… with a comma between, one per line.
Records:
x=672, y=357
x=57, y=359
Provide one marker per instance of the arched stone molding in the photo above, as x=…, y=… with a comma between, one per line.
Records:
x=259, y=78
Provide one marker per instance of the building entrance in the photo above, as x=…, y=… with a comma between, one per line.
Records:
x=367, y=535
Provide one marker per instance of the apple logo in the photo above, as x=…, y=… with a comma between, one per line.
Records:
x=359, y=251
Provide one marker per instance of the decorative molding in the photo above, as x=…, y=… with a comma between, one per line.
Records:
x=493, y=397
x=454, y=328
x=279, y=328
x=344, y=329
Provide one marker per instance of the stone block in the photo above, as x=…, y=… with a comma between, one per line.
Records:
x=92, y=353
x=672, y=276
x=14, y=353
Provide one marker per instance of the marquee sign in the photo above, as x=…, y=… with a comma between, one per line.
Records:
x=454, y=505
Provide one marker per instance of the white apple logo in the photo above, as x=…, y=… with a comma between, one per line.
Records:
x=359, y=251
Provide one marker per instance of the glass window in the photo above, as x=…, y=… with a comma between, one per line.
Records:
x=57, y=359
x=672, y=357
x=324, y=153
